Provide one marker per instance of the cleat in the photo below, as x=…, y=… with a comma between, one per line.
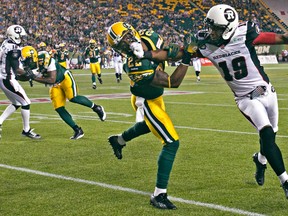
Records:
x=77, y=134
x=31, y=134
x=162, y=202
x=100, y=80
x=94, y=86
x=116, y=146
x=260, y=170
x=285, y=188
x=100, y=112
x=118, y=80
x=198, y=79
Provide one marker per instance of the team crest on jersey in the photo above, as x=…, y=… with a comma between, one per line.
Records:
x=229, y=15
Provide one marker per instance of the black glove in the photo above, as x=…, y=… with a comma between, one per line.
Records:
x=29, y=74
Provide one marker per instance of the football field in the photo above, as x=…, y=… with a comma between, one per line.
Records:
x=213, y=173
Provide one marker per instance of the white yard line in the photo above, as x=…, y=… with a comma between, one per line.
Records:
x=130, y=190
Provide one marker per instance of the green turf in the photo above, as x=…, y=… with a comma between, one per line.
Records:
x=213, y=165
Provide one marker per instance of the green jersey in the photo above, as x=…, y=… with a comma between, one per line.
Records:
x=141, y=71
x=62, y=55
x=93, y=53
x=47, y=65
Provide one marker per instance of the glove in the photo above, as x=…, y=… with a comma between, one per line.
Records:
x=172, y=50
x=137, y=49
x=29, y=74
x=190, y=39
x=188, y=51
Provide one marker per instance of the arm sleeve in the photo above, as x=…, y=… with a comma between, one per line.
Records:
x=265, y=38
x=12, y=60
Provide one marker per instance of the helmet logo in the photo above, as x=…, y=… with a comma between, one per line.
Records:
x=17, y=29
x=229, y=15
x=31, y=52
x=126, y=25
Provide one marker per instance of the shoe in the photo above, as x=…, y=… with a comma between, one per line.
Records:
x=0, y=131
x=260, y=170
x=100, y=112
x=118, y=80
x=198, y=79
x=94, y=86
x=77, y=134
x=100, y=80
x=116, y=146
x=31, y=134
x=162, y=202
x=285, y=188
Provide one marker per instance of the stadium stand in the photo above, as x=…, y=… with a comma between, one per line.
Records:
x=75, y=22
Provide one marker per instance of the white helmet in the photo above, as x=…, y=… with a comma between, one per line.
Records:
x=223, y=16
x=15, y=33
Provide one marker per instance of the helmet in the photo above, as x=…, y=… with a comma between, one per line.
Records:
x=222, y=18
x=120, y=35
x=15, y=33
x=29, y=57
x=43, y=59
x=61, y=45
x=42, y=44
x=92, y=41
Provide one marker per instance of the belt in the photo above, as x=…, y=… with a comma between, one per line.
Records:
x=258, y=91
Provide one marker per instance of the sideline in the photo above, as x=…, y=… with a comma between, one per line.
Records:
x=130, y=190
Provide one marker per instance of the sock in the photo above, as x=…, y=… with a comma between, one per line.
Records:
x=158, y=191
x=271, y=150
x=165, y=163
x=283, y=177
x=138, y=129
x=93, y=78
x=7, y=112
x=82, y=100
x=262, y=159
x=120, y=140
x=26, y=119
x=65, y=116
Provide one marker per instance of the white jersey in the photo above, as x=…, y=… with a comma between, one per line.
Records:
x=116, y=57
x=196, y=64
x=6, y=70
x=236, y=60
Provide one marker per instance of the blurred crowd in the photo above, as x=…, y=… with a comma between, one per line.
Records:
x=75, y=22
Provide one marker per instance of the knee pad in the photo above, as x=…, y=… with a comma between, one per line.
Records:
x=27, y=107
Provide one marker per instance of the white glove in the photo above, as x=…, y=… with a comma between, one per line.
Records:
x=137, y=49
x=140, y=109
x=36, y=72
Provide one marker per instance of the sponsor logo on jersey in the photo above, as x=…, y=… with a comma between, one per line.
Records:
x=226, y=55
